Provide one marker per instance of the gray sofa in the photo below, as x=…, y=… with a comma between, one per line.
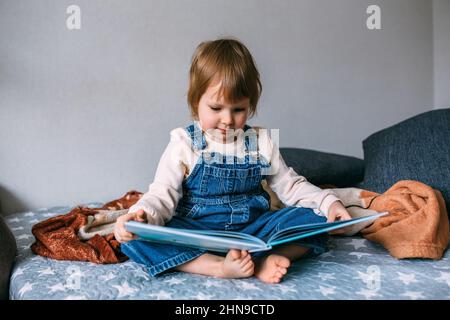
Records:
x=8, y=249
x=339, y=274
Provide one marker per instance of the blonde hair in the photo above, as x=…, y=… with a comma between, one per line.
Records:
x=230, y=62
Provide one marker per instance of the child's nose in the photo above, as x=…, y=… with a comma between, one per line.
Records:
x=227, y=118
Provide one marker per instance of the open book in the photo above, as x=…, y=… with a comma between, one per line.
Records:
x=222, y=241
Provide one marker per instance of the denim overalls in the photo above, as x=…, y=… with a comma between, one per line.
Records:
x=224, y=193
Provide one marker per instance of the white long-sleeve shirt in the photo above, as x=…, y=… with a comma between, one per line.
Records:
x=179, y=158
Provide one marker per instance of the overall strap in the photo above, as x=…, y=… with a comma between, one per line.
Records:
x=197, y=139
x=251, y=142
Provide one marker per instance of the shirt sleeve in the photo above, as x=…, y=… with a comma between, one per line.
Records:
x=161, y=199
x=293, y=189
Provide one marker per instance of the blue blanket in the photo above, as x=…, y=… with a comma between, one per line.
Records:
x=354, y=268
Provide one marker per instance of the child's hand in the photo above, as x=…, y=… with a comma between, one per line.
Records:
x=337, y=212
x=120, y=233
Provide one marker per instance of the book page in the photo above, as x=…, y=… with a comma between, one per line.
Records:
x=308, y=230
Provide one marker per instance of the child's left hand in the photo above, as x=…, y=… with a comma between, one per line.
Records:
x=337, y=212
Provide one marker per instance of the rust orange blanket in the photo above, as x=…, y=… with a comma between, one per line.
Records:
x=417, y=225
x=58, y=238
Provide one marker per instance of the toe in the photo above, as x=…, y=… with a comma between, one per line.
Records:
x=234, y=254
x=250, y=268
x=282, y=271
x=246, y=260
x=275, y=279
x=284, y=262
x=249, y=264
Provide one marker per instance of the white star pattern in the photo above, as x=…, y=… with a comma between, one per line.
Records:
x=367, y=293
x=249, y=286
x=57, y=287
x=285, y=289
x=17, y=228
x=210, y=283
x=124, y=290
x=365, y=277
x=357, y=243
x=29, y=214
x=143, y=275
x=326, y=290
x=445, y=277
x=75, y=273
x=326, y=276
x=19, y=271
x=36, y=257
x=24, y=236
x=14, y=220
x=174, y=281
x=444, y=267
x=406, y=278
x=414, y=295
x=26, y=287
x=359, y=254
x=75, y=298
x=34, y=221
x=371, y=278
x=202, y=296
x=107, y=277
x=162, y=295
x=46, y=271
x=49, y=214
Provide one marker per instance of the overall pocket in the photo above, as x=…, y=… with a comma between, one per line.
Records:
x=216, y=181
x=247, y=180
x=187, y=210
x=221, y=181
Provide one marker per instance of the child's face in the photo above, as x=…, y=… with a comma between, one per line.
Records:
x=220, y=117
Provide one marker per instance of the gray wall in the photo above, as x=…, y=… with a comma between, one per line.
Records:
x=85, y=114
x=441, y=48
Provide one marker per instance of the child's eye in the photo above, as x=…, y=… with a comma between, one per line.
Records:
x=239, y=110
x=215, y=108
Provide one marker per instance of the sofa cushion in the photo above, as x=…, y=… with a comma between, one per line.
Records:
x=8, y=250
x=322, y=168
x=415, y=149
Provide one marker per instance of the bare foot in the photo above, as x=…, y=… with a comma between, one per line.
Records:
x=238, y=264
x=272, y=268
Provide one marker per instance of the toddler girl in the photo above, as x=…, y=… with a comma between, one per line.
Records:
x=209, y=177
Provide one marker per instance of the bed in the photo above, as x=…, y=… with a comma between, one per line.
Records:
x=354, y=268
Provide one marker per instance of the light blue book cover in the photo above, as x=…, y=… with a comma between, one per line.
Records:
x=223, y=241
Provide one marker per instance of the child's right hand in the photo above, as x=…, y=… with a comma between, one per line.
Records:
x=120, y=233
